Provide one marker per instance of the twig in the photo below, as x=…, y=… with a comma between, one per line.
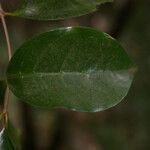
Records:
x=6, y=98
x=5, y=108
x=2, y=16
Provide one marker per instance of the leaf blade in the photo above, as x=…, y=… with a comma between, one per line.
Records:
x=9, y=138
x=77, y=68
x=54, y=9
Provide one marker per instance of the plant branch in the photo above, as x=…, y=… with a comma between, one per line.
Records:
x=5, y=108
x=2, y=16
x=6, y=98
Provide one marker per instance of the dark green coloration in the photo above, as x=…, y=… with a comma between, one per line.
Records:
x=55, y=9
x=2, y=91
x=9, y=138
x=77, y=68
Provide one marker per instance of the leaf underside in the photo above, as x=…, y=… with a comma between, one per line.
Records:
x=76, y=67
x=55, y=9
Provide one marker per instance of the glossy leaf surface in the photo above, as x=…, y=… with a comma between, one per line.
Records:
x=9, y=138
x=75, y=67
x=55, y=9
x=2, y=91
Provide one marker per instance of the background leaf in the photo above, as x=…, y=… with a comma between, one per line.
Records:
x=9, y=138
x=2, y=91
x=55, y=9
x=75, y=67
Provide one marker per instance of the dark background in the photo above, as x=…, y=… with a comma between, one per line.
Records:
x=124, y=127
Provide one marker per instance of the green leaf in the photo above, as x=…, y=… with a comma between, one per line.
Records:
x=9, y=138
x=2, y=91
x=75, y=67
x=55, y=9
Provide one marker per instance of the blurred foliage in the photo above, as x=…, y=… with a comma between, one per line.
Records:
x=124, y=127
